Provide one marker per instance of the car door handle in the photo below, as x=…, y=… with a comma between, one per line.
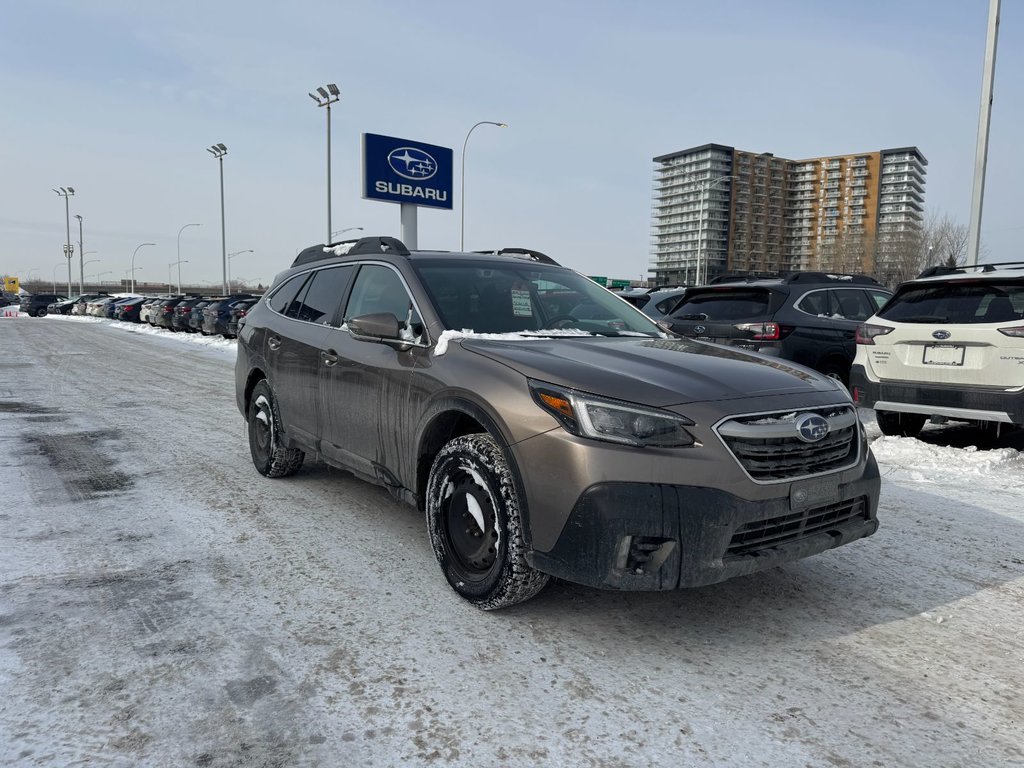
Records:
x=330, y=358
x=274, y=342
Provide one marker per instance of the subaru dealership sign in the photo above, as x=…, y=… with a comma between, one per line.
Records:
x=409, y=172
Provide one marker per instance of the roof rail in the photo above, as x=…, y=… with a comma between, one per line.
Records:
x=363, y=245
x=525, y=253
x=733, y=279
x=942, y=269
x=829, y=277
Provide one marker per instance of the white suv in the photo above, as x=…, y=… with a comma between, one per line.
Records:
x=947, y=345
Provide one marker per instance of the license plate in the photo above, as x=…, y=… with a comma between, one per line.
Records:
x=943, y=354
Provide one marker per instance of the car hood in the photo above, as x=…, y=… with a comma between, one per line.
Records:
x=657, y=372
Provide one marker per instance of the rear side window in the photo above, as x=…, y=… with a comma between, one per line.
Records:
x=283, y=296
x=321, y=299
x=814, y=303
x=957, y=302
x=728, y=306
x=851, y=304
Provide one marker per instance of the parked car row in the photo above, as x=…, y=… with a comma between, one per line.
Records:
x=219, y=315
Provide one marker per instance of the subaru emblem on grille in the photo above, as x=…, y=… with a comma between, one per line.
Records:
x=699, y=329
x=941, y=334
x=811, y=427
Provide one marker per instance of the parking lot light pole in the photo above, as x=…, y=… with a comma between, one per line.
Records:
x=81, y=255
x=67, y=192
x=218, y=151
x=141, y=245
x=324, y=97
x=177, y=264
x=230, y=257
x=179, y=254
x=462, y=227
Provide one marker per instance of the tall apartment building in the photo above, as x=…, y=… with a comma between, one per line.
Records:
x=719, y=210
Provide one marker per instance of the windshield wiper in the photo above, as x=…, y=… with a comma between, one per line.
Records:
x=698, y=316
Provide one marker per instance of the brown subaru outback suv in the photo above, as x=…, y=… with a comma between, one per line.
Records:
x=544, y=425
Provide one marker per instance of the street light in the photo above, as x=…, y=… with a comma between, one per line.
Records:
x=58, y=264
x=230, y=257
x=98, y=275
x=133, y=261
x=462, y=230
x=177, y=264
x=706, y=185
x=218, y=151
x=179, y=253
x=81, y=255
x=67, y=192
x=324, y=98
x=343, y=231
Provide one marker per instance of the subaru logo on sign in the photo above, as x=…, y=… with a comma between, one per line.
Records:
x=811, y=428
x=412, y=163
x=407, y=172
x=940, y=335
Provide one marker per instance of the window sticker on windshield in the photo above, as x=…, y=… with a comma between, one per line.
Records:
x=521, y=306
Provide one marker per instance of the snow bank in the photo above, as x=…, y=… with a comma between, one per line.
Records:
x=210, y=342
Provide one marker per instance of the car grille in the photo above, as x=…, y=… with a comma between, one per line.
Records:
x=764, y=534
x=769, y=450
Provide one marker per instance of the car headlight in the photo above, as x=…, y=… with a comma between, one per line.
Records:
x=612, y=420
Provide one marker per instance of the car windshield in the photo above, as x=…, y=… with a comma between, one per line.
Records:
x=957, y=302
x=485, y=297
x=724, y=305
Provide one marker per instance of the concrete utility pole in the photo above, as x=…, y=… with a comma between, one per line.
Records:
x=984, y=120
x=81, y=256
x=66, y=193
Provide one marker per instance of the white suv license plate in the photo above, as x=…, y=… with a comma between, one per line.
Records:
x=943, y=354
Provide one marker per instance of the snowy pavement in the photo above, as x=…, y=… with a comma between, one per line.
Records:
x=161, y=604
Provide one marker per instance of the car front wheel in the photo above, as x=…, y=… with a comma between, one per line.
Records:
x=475, y=526
x=897, y=424
x=270, y=455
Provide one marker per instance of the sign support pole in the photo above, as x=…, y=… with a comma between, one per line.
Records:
x=409, y=235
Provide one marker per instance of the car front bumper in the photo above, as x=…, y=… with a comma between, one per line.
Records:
x=633, y=536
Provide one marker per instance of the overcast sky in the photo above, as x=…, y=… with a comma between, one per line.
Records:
x=120, y=99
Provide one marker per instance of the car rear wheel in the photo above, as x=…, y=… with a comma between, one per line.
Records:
x=41, y=312
x=270, y=456
x=475, y=525
x=897, y=424
x=838, y=371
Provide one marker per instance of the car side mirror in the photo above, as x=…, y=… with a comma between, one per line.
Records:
x=378, y=326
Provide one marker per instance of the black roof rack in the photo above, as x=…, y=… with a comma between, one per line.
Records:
x=362, y=245
x=525, y=253
x=942, y=269
x=828, y=277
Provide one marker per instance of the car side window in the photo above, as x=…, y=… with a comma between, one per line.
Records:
x=851, y=304
x=879, y=298
x=379, y=289
x=814, y=303
x=283, y=296
x=323, y=295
